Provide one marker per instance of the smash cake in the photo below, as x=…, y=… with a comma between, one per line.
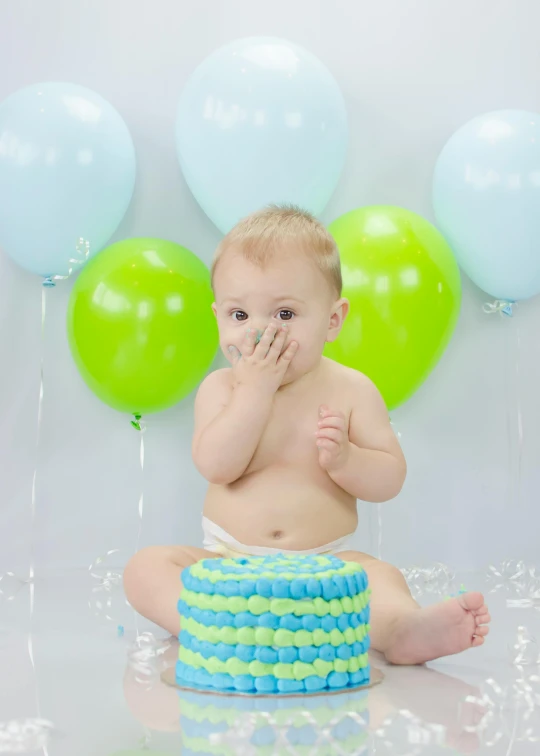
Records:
x=283, y=624
x=215, y=725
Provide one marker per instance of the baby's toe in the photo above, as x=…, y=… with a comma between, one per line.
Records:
x=477, y=641
x=483, y=619
x=472, y=602
x=481, y=630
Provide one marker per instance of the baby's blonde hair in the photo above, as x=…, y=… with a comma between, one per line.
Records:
x=260, y=235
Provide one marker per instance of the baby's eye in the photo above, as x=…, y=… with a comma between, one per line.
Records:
x=239, y=316
x=286, y=315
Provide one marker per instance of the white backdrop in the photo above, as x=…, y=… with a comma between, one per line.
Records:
x=412, y=71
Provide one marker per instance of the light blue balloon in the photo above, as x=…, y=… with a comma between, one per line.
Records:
x=67, y=171
x=260, y=121
x=486, y=198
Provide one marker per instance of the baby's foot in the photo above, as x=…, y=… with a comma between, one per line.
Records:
x=446, y=628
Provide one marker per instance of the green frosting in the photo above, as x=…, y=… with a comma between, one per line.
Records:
x=280, y=637
x=245, y=635
x=258, y=605
x=322, y=668
x=283, y=671
x=216, y=576
x=301, y=670
x=283, y=638
x=264, y=636
x=296, y=671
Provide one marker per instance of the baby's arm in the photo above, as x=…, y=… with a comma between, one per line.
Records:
x=368, y=462
x=233, y=407
x=228, y=427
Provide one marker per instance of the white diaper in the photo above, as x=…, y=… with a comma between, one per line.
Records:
x=220, y=542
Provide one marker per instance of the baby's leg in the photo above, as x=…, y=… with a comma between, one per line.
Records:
x=408, y=634
x=152, y=581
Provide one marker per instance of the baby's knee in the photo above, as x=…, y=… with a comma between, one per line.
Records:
x=139, y=569
x=357, y=556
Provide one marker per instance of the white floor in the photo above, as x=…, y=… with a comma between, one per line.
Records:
x=81, y=677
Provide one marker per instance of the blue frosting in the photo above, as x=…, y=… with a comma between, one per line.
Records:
x=247, y=588
x=308, y=622
x=335, y=587
x=290, y=622
x=299, y=588
x=313, y=683
x=269, y=620
x=243, y=682
x=311, y=622
x=288, y=655
x=276, y=563
x=246, y=619
x=264, y=587
x=327, y=652
x=308, y=654
x=266, y=655
x=344, y=652
x=267, y=683
x=245, y=653
x=337, y=679
x=270, y=655
x=290, y=686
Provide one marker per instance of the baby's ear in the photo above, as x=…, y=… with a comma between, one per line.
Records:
x=337, y=317
x=214, y=308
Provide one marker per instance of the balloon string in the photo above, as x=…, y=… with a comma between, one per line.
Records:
x=379, y=531
x=33, y=500
x=141, y=498
x=142, y=429
x=519, y=415
x=514, y=416
x=38, y=437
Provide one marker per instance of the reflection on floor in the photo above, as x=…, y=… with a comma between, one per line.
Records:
x=81, y=676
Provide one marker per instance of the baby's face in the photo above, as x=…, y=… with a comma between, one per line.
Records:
x=289, y=290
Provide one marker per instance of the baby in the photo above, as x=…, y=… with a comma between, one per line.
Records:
x=289, y=439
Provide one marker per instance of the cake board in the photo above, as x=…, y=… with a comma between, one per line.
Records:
x=169, y=678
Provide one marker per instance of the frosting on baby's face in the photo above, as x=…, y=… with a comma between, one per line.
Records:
x=289, y=290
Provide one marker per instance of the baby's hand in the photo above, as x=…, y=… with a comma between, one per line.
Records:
x=263, y=364
x=332, y=439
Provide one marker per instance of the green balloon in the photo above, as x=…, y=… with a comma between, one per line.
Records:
x=404, y=287
x=140, y=324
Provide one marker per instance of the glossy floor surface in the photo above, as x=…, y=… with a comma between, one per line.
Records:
x=81, y=677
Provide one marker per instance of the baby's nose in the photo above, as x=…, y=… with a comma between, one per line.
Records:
x=258, y=335
x=260, y=328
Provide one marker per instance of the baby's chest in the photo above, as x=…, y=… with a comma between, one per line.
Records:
x=290, y=433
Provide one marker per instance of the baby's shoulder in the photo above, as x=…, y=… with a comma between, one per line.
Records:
x=217, y=380
x=351, y=381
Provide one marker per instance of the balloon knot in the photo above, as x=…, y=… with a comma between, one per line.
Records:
x=502, y=306
x=138, y=423
x=48, y=282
